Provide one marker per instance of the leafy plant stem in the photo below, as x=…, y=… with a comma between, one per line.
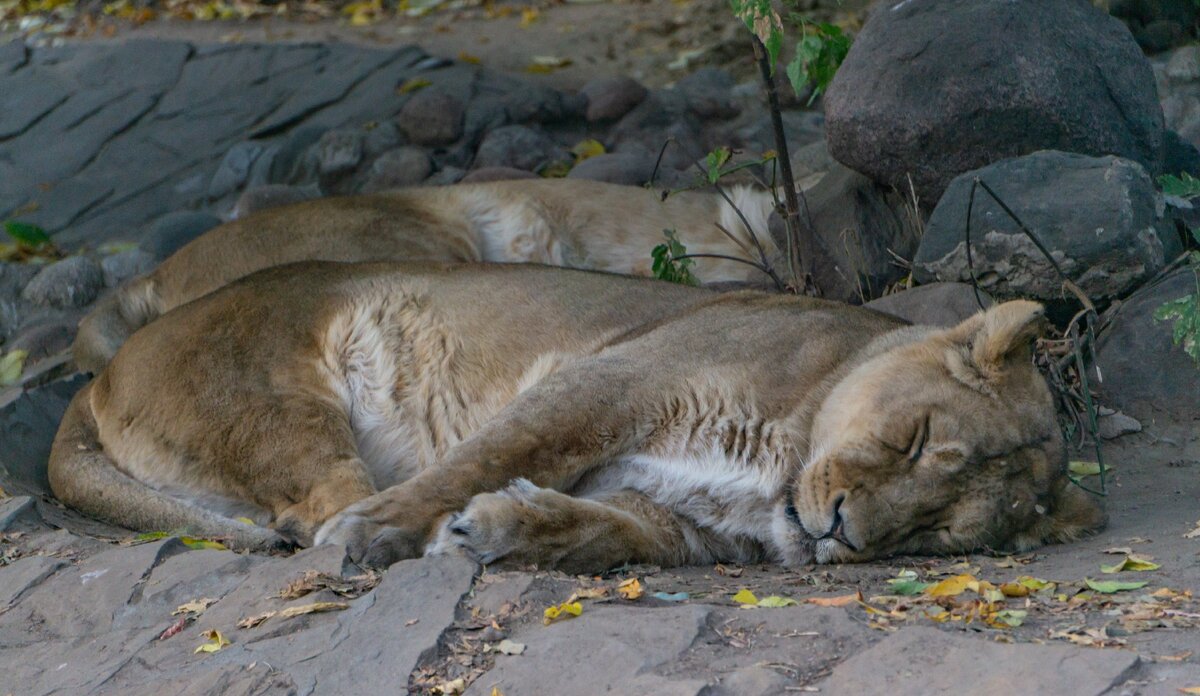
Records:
x=800, y=248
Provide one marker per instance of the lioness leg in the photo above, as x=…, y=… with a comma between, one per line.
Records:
x=525, y=524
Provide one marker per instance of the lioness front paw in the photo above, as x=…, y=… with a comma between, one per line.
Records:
x=489, y=528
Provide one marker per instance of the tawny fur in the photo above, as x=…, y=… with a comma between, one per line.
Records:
x=570, y=419
x=559, y=222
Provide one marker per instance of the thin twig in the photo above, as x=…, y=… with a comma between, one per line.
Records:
x=779, y=284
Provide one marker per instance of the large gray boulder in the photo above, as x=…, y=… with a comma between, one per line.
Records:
x=935, y=88
x=1144, y=373
x=1100, y=217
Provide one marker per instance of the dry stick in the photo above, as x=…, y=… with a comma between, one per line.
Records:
x=762, y=253
x=1078, y=344
x=803, y=249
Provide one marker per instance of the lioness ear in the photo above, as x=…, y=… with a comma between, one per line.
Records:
x=1001, y=334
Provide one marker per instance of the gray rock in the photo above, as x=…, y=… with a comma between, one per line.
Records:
x=1099, y=216
x=15, y=511
x=936, y=304
x=662, y=116
x=338, y=151
x=13, y=279
x=172, y=231
x=26, y=573
x=123, y=265
x=533, y=103
x=28, y=424
x=446, y=176
x=44, y=339
x=751, y=681
x=72, y=282
x=381, y=137
x=610, y=649
x=519, y=147
x=610, y=98
x=709, y=93
x=1184, y=64
x=271, y=196
x=858, y=226
x=1144, y=373
x=234, y=169
x=1179, y=155
x=485, y=174
x=288, y=165
x=615, y=168
x=1116, y=424
x=922, y=94
x=924, y=661
x=404, y=166
x=432, y=117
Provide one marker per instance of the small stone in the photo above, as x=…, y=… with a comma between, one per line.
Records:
x=72, y=282
x=271, y=196
x=234, y=169
x=339, y=151
x=432, y=117
x=709, y=93
x=13, y=279
x=519, y=147
x=615, y=168
x=124, y=265
x=381, y=137
x=169, y=233
x=404, y=166
x=1117, y=424
x=486, y=174
x=43, y=340
x=610, y=98
x=1184, y=64
x=289, y=160
x=446, y=176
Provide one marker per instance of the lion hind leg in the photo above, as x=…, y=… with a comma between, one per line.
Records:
x=526, y=524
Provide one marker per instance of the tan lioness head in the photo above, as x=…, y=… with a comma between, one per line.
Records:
x=944, y=445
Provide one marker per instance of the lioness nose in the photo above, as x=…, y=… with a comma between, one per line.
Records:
x=837, y=530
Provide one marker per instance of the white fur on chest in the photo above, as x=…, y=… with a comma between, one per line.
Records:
x=725, y=494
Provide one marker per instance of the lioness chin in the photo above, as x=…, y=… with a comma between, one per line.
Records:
x=569, y=419
x=560, y=222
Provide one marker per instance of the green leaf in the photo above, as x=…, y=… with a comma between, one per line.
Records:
x=1084, y=468
x=11, y=366
x=1184, y=186
x=775, y=601
x=761, y=19
x=1113, y=586
x=906, y=584
x=715, y=160
x=1010, y=617
x=24, y=233
x=1131, y=562
x=818, y=56
x=668, y=266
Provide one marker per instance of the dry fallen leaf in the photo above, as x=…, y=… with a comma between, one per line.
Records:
x=314, y=608
x=951, y=586
x=454, y=686
x=215, y=641
x=841, y=601
x=175, y=628
x=1189, y=690
x=1179, y=657
x=1195, y=533
x=1131, y=562
x=728, y=571
x=252, y=621
x=196, y=606
x=588, y=593
x=1119, y=550
x=566, y=610
x=630, y=589
x=11, y=366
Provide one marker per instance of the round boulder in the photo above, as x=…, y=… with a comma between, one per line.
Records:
x=610, y=98
x=935, y=88
x=1100, y=218
x=432, y=117
x=404, y=166
x=519, y=147
x=72, y=282
x=1144, y=372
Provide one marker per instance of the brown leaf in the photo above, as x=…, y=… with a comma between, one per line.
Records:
x=175, y=628
x=313, y=608
x=840, y=601
x=252, y=621
x=196, y=606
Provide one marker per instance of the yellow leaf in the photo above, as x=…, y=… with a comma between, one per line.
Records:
x=469, y=58
x=196, y=606
x=313, y=608
x=745, y=596
x=555, y=170
x=546, y=64
x=245, y=520
x=775, y=601
x=194, y=543
x=1189, y=690
x=215, y=641
x=412, y=85
x=1035, y=584
x=1084, y=468
x=1195, y=533
x=496, y=691
x=630, y=589
x=588, y=593
x=587, y=148
x=1014, y=589
x=565, y=610
x=11, y=366
x=1131, y=562
x=454, y=686
x=951, y=586
x=529, y=15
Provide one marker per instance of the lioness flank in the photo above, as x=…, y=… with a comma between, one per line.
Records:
x=570, y=419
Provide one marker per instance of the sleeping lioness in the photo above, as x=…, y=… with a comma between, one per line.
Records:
x=569, y=419
x=561, y=222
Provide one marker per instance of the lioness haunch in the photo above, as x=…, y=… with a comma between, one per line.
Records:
x=569, y=419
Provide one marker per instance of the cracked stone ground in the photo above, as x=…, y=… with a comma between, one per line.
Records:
x=84, y=610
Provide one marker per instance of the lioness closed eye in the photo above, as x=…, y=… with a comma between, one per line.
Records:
x=569, y=419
